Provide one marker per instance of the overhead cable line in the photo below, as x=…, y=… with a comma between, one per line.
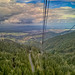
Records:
x=71, y=28
x=45, y=17
x=48, y=5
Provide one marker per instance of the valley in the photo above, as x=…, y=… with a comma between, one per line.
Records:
x=57, y=58
x=23, y=37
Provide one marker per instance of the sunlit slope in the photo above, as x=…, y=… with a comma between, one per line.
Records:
x=61, y=43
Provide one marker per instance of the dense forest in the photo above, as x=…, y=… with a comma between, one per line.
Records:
x=13, y=59
x=58, y=57
x=62, y=43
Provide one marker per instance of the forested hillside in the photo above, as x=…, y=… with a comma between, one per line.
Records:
x=62, y=43
x=13, y=59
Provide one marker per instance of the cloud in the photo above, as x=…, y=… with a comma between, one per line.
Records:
x=25, y=0
x=9, y=9
x=22, y=13
x=7, y=1
x=40, y=0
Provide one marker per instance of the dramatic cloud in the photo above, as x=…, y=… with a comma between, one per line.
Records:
x=22, y=13
x=7, y=1
x=63, y=14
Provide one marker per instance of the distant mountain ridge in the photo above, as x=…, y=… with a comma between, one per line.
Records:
x=19, y=28
x=26, y=28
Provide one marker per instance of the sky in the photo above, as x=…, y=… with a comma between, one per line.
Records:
x=30, y=12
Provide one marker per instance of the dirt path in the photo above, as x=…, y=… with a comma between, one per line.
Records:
x=30, y=60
